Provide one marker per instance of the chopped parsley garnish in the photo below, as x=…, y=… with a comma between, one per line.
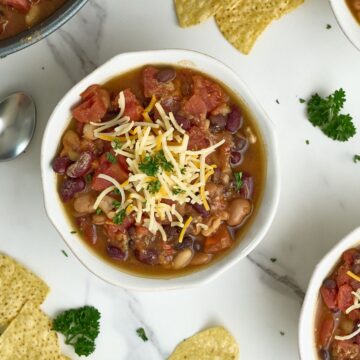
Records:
x=152, y=164
x=80, y=327
x=356, y=158
x=116, y=144
x=307, y=142
x=111, y=157
x=65, y=253
x=273, y=259
x=118, y=219
x=325, y=114
x=116, y=204
x=182, y=170
x=88, y=178
x=177, y=191
x=73, y=232
x=163, y=163
x=302, y=101
x=141, y=334
x=117, y=191
x=98, y=211
x=149, y=166
x=328, y=26
x=238, y=180
x=154, y=186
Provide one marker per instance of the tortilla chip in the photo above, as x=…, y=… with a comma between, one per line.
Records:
x=293, y=5
x=243, y=22
x=29, y=337
x=17, y=286
x=210, y=344
x=192, y=12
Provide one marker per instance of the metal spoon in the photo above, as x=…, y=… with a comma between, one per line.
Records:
x=17, y=125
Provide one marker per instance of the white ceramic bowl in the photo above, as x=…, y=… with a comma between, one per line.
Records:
x=347, y=22
x=60, y=119
x=323, y=269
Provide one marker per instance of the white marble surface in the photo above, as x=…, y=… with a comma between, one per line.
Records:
x=257, y=299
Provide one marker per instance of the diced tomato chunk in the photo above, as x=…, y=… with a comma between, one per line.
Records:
x=326, y=331
x=21, y=5
x=115, y=170
x=196, y=109
x=345, y=298
x=210, y=92
x=133, y=109
x=94, y=105
x=153, y=87
x=218, y=241
x=113, y=230
x=88, y=229
x=198, y=139
x=341, y=275
x=329, y=297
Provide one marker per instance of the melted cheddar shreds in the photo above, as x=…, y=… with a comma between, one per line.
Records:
x=180, y=177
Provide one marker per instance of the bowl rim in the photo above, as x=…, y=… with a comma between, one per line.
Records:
x=344, y=26
x=209, y=273
x=306, y=340
x=40, y=31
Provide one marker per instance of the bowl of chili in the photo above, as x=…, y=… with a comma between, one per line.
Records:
x=329, y=320
x=23, y=22
x=165, y=173
x=347, y=13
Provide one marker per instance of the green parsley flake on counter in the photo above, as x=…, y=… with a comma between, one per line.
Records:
x=80, y=327
x=356, y=158
x=141, y=333
x=65, y=253
x=325, y=114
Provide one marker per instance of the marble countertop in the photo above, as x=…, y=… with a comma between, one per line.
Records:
x=258, y=300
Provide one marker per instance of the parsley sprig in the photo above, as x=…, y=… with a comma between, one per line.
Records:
x=152, y=164
x=325, y=114
x=119, y=217
x=80, y=327
x=238, y=180
x=142, y=334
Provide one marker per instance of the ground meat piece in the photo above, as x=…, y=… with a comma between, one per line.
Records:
x=153, y=87
x=342, y=350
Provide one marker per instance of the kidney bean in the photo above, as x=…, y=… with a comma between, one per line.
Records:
x=201, y=210
x=329, y=283
x=235, y=158
x=240, y=143
x=183, y=122
x=115, y=253
x=70, y=187
x=60, y=164
x=247, y=189
x=172, y=232
x=166, y=75
x=217, y=122
x=234, y=120
x=325, y=354
x=355, y=268
x=81, y=166
x=186, y=243
x=148, y=256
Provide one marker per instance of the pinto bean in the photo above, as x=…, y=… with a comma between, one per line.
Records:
x=106, y=204
x=183, y=258
x=71, y=143
x=201, y=259
x=88, y=131
x=99, y=219
x=84, y=204
x=238, y=210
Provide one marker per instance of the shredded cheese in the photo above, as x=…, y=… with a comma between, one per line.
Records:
x=186, y=225
x=352, y=275
x=348, y=337
x=182, y=181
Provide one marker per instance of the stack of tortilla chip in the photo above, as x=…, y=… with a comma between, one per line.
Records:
x=240, y=21
x=25, y=330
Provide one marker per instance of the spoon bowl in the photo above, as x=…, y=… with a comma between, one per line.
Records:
x=17, y=124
